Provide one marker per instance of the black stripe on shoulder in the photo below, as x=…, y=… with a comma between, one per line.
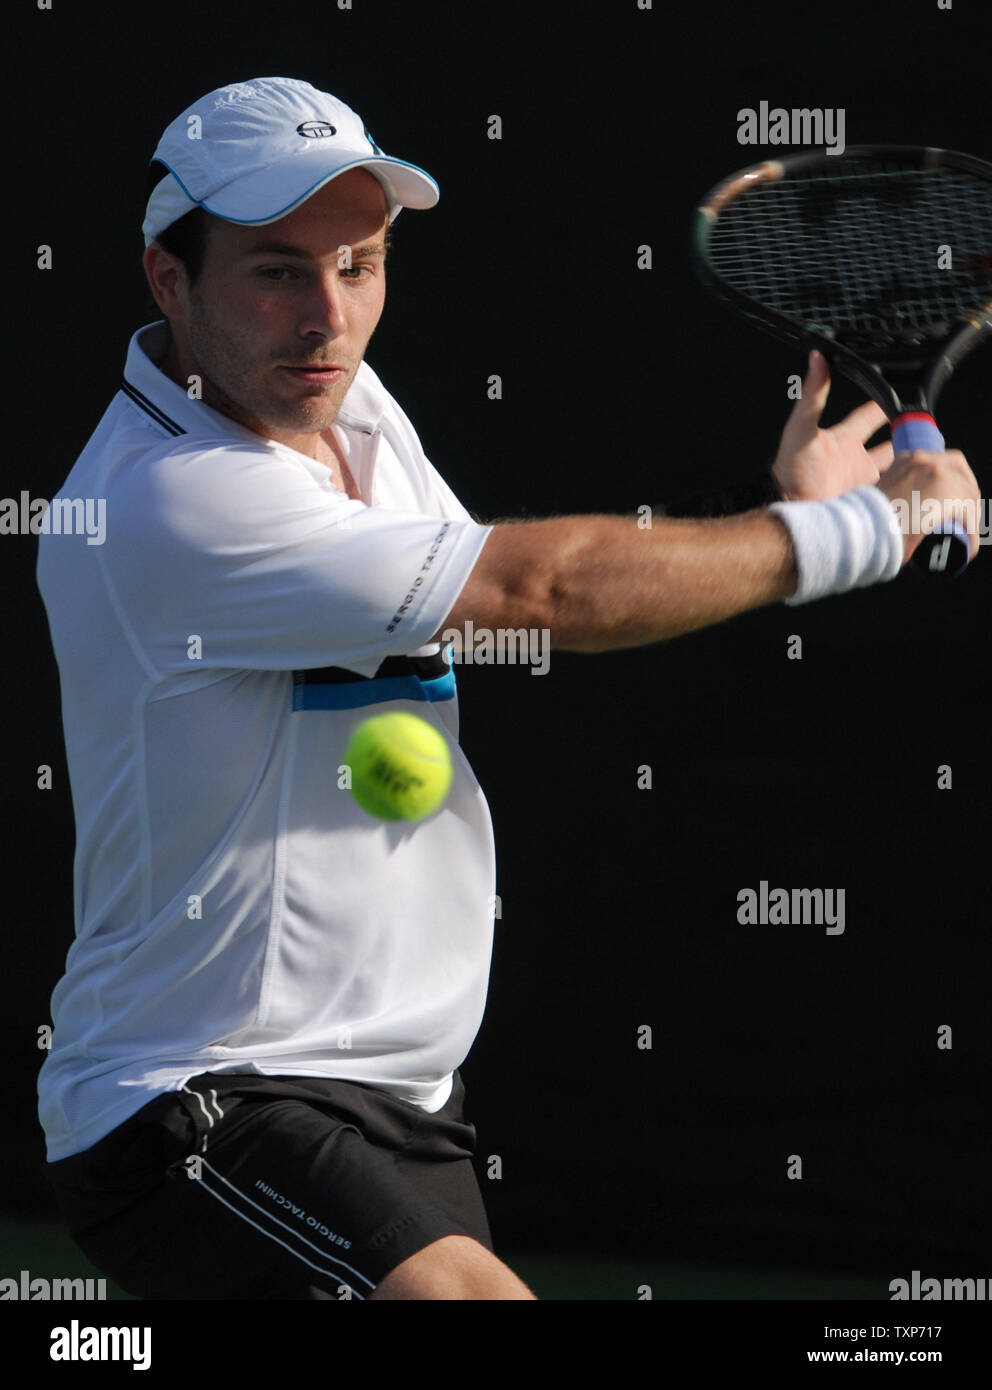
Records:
x=150, y=408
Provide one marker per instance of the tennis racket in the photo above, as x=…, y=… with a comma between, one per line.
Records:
x=881, y=257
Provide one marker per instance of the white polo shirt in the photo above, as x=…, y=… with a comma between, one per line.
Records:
x=235, y=909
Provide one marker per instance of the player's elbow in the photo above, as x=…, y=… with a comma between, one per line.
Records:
x=520, y=581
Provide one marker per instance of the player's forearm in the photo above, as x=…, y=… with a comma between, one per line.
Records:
x=616, y=585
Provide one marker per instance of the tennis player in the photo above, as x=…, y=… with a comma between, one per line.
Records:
x=253, y=1087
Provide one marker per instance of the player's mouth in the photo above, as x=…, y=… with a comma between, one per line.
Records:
x=321, y=374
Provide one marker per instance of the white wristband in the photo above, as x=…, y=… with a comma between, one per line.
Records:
x=842, y=543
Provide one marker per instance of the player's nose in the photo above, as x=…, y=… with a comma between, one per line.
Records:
x=324, y=307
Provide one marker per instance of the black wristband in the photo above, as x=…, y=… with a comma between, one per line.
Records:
x=728, y=501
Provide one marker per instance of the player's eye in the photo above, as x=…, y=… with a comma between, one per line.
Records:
x=275, y=273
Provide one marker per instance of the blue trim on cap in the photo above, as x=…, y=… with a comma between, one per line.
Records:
x=177, y=179
x=274, y=217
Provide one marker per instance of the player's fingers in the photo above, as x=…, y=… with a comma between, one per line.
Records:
x=863, y=421
x=960, y=510
x=882, y=455
x=810, y=406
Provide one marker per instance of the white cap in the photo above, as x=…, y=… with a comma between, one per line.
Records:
x=254, y=151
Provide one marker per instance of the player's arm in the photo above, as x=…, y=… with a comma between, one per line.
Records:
x=598, y=583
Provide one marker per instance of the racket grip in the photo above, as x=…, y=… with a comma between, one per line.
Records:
x=945, y=552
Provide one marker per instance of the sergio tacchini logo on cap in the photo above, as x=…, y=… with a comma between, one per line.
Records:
x=316, y=130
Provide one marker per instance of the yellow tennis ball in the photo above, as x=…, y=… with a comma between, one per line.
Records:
x=400, y=767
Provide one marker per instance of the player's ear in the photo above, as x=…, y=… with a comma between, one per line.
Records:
x=166, y=276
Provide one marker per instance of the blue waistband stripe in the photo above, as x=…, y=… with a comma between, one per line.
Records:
x=355, y=694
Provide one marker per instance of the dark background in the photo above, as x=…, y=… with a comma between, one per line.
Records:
x=621, y=387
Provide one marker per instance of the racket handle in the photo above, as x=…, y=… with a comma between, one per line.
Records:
x=945, y=552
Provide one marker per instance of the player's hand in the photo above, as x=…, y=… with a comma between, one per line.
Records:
x=946, y=490
x=812, y=463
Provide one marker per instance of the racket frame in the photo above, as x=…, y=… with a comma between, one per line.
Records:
x=906, y=385
x=899, y=382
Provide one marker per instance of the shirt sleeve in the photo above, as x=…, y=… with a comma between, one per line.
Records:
x=244, y=550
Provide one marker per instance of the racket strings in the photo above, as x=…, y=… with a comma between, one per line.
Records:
x=881, y=253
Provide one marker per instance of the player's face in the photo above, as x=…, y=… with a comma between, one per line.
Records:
x=278, y=321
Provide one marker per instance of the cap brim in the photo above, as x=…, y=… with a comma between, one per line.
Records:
x=274, y=192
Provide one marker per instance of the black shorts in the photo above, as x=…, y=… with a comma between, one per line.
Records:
x=241, y=1186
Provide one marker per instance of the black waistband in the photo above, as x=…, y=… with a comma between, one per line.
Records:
x=427, y=668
